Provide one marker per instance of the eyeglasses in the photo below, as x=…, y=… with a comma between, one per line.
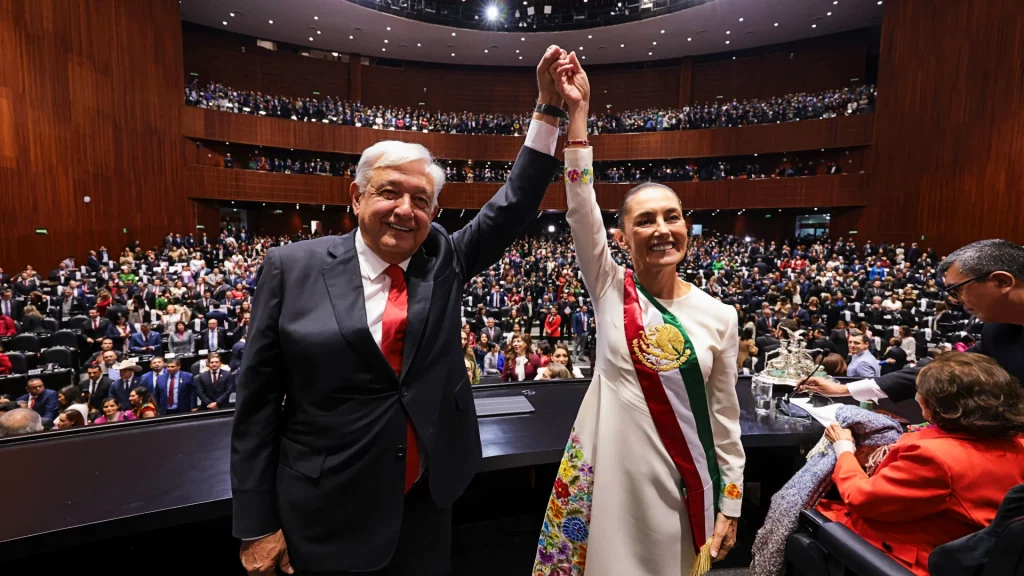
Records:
x=954, y=290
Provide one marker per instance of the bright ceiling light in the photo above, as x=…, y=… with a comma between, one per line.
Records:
x=522, y=39
x=418, y=45
x=389, y=28
x=383, y=49
x=453, y=53
x=727, y=41
x=590, y=36
x=776, y=24
x=662, y=31
x=385, y=40
x=232, y=14
x=317, y=31
x=655, y=43
x=485, y=50
x=689, y=39
x=351, y=37
x=225, y=22
x=335, y=54
x=310, y=38
x=622, y=45
x=492, y=12
x=453, y=33
x=271, y=21
x=814, y=25
x=829, y=14
x=728, y=31
x=741, y=19
x=316, y=17
x=520, y=57
x=650, y=53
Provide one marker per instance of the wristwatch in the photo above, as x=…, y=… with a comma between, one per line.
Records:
x=551, y=111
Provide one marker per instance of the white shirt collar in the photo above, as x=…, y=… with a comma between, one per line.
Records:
x=371, y=265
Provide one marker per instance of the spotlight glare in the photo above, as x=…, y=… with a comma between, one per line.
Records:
x=492, y=12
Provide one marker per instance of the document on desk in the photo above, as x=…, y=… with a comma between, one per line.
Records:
x=824, y=414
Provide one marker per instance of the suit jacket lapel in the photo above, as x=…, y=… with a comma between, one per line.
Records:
x=421, y=285
x=345, y=287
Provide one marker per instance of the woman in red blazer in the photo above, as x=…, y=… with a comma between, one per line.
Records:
x=943, y=481
x=553, y=326
x=520, y=362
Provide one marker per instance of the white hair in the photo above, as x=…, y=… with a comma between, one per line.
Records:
x=388, y=153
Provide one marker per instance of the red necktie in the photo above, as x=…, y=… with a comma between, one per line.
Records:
x=392, y=341
x=170, y=393
x=31, y=402
x=96, y=324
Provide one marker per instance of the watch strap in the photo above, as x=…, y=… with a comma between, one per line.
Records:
x=551, y=110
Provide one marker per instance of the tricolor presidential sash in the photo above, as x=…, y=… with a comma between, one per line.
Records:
x=673, y=386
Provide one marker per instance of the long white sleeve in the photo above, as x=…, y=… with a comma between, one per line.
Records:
x=725, y=419
x=584, y=217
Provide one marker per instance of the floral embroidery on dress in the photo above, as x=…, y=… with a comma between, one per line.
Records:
x=733, y=491
x=562, y=547
x=584, y=176
x=572, y=175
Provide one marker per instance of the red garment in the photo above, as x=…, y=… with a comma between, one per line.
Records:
x=392, y=342
x=102, y=305
x=5, y=365
x=932, y=488
x=7, y=326
x=552, y=325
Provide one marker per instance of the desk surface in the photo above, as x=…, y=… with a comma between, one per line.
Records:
x=156, y=473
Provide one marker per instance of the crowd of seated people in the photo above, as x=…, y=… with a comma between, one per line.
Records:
x=787, y=108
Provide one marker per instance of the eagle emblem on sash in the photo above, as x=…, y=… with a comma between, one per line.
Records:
x=661, y=348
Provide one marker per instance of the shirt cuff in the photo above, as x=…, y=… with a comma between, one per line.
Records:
x=841, y=446
x=542, y=137
x=730, y=502
x=865, y=390
x=256, y=538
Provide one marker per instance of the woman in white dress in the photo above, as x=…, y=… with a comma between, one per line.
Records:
x=652, y=476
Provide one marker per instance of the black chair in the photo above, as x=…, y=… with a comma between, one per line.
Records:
x=59, y=356
x=821, y=546
x=51, y=324
x=65, y=338
x=18, y=363
x=24, y=343
x=76, y=322
x=992, y=551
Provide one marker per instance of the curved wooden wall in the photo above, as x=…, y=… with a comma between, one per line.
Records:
x=843, y=132
x=203, y=182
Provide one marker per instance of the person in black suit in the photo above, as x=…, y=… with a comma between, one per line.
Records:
x=25, y=285
x=402, y=440
x=478, y=295
x=496, y=300
x=987, y=278
x=9, y=306
x=41, y=399
x=839, y=337
x=214, y=386
x=213, y=338
x=820, y=342
x=96, y=329
x=527, y=309
x=95, y=388
x=895, y=357
x=69, y=305
x=766, y=323
x=121, y=388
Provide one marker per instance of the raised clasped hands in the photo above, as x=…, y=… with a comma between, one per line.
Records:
x=571, y=81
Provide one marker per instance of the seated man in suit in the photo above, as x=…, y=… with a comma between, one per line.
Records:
x=96, y=328
x=895, y=357
x=862, y=363
x=106, y=344
x=214, y=386
x=42, y=400
x=493, y=332
x=156, y=367
x=9, y=306
x=175, y=392
x=213, y=338
x=121, y=388
x=25, y=285
x=96, y=387
x=145, y=341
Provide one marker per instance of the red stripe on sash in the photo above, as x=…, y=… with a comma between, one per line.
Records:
x=665, y=417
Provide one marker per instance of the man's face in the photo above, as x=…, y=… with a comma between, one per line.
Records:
x=94, y=372
x=214, y=364
x=490, y=322
x=986, y=298
x=584, y=309
x=156, y=364
x=857, y=344
x=145, y=328
x=395, y=210
x=212, y=325
x=67, y=292
x=127, y=373
x=93, y=314
x=35, y=387
x=173, y=367
x=107, y=344
x=109, y=357
x=6, y=295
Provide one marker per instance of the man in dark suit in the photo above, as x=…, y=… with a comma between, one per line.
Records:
x=156, y=370
x=478, y=295
x=820, y=342
x=96, y=328
x=96, y=387
x=493, y=332
x=408, y=448
x=25, y=285
x=767, y=323
x=213, y=338
x=987, y=278
x=895, y=357
x=839, y=337
x=496, y=300
x=92, y=261
x=121, y=388
x=69, y=305
x=9, y=306
x=214, y=386
x=145, y=341
x=526, y=311
x=42, y=400
x=802, y=317
x=580, y=326
x=175, y=392
x=206, y=304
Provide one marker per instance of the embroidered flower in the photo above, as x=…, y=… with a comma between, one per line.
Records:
x=733, y=491
x=586, y=176
x=572, y=175
x=561, y=547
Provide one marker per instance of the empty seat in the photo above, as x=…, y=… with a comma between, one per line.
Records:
x=58, y=355
x=65, y=338
x=76, y=322
x=18, y=363
x=50, y=325
x=24, y=343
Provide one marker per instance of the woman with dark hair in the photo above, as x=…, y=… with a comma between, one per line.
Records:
x=143, y=405
x=120, y=331
x=68, y=419
x=469, y=359
x=834, y=365
x=652, y=475
x=112, y=413
x=181, y=340
x=483, y=346
x=520, y=362
x=944, y=480
x=70, y=398
x=747, y=348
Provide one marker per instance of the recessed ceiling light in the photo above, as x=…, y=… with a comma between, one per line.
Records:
x=622, y=45
x=662, y=31
x=310, y=38
x=271, y=21
x=776, y=23
x=829, y=14
x=383, y=49
x=316, y=17
x=814, y=25
x=385, y=41
x=835, y=2
x=453, y=33
x=485, y=50
x=335, y=54
x=517, y=51
x=522, y=57
x=418, y=45
x=733, y=57
x=523, y=39
x=728, y=31
x=584, y=57
x=689, y=39
x=350, y=37
x=590, y=36
x=650, y=53
x=727, y=41
x=317, y=31
x=389, y=28
x=232, y=14
x=453, y=53
x=225, y=22
x=741, y=19
x=654, y=43
x=879, y=2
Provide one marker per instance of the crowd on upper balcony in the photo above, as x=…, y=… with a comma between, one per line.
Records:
x=332, y=110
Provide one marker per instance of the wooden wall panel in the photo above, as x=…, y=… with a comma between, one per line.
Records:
x=236, y=61
x=204, y=182
x=90, y=102
x=948, y=159
x=791, y=136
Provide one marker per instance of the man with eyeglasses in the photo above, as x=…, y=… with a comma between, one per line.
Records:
x=987, y=278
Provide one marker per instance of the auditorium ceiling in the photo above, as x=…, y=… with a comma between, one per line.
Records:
x=694, y=28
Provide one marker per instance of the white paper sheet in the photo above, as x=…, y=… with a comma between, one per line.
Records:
x=825, y=414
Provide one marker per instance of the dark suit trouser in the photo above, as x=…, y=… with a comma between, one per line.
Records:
x=424, y=543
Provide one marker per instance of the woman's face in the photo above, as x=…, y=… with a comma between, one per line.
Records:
x=62, y=422
x=517, y=345
x=560, y=356
x=465, y=339
x=109, y=409
x=63, y=401
x=655, y=232
x=134, y=399
x=484, y=338
x=469, y=370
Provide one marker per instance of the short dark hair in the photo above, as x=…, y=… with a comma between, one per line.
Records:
x=972, y=393
x=986, y=256
x=620, y=218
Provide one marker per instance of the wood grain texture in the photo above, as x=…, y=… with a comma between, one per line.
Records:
x=203, y=182
x=204, y=124
x=90, y=101
x=948, y=159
